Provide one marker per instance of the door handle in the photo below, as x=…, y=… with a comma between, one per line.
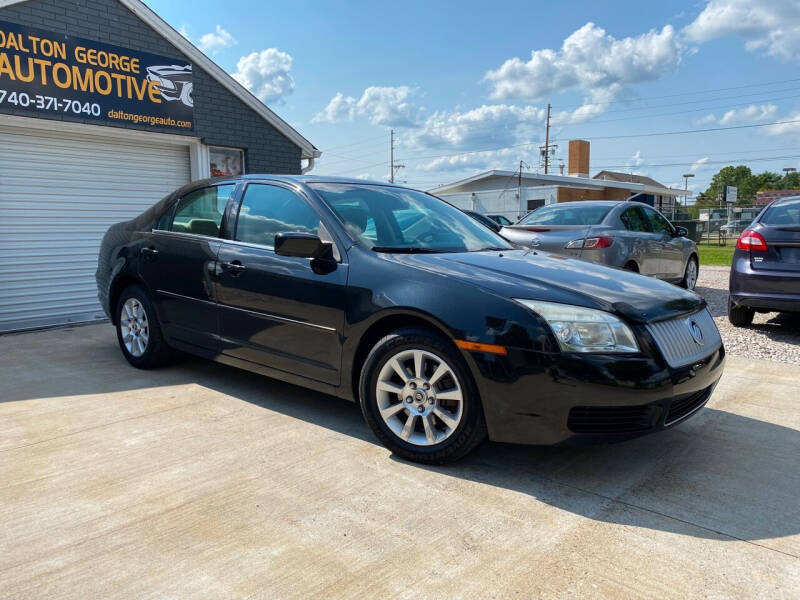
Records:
x=235, y=267
x=151, y=252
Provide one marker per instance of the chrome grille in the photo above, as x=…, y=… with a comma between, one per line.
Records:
x=677, y=343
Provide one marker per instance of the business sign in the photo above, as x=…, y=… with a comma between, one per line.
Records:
x=730, y=193
x=45, y=74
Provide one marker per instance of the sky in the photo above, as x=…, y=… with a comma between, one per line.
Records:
x=465, y=85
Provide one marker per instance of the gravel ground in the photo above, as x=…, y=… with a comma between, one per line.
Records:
x=772, y=336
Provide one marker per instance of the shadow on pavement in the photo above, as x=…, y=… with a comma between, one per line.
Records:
x=719, y=475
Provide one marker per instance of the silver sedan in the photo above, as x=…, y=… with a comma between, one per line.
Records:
x=628, y=235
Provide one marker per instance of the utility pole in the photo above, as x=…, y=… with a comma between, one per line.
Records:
x=392, y=167
x=546, y=141
x=519, y=185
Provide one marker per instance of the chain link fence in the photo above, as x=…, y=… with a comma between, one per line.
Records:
x=722, y=226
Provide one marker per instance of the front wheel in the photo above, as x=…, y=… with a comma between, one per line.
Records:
x=689, y=280
x=419, y=398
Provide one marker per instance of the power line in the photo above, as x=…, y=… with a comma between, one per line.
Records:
x=356, y=143
x=627, y=109
x=615, y=137
x=345, y=172
x=708, y=162
x=694, y=93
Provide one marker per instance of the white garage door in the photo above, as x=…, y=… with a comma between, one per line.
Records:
x=59, y=192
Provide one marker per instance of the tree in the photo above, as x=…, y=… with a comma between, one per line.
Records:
x=747, y=183
x=736, y=176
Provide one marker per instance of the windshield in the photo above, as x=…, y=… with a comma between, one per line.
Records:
x=784, y=213
x=390, y=219
x=564, y=214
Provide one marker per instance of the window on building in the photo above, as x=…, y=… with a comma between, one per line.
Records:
x=267, y=210
x=200, y=212
x=226, y=162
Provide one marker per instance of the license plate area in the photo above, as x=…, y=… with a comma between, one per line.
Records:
x=789, y=254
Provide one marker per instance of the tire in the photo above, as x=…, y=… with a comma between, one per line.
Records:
x=740, y=316
x=689, y=280
x=631, y=266
x=431, y=438
x=138, y=330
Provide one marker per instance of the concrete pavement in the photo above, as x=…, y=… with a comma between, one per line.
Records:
x=199, y=480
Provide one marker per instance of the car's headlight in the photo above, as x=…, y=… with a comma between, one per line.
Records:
x=579, y=329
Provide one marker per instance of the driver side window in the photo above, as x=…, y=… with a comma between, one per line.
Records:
x=268, y=210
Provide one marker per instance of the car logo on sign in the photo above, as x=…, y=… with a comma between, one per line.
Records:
x=696, y=332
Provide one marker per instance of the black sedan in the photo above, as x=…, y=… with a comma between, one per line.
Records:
x=765, y=274
x=442, y=331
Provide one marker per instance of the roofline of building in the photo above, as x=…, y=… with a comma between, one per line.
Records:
x=586, y=182
x=164, y=29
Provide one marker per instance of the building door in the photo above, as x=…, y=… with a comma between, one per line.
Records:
x=59, y=193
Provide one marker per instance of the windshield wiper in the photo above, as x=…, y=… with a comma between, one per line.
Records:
x=406, y=250
x=491, y=248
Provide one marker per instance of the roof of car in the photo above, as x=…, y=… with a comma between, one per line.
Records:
x=608, y=203
x=317, y=179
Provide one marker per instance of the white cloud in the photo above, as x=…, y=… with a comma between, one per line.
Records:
x=388, y=106
x=769, y=25
x=490, y=124
x=213, y=41
x=184, y=31
x=707, y=120
x=589, y=60
x=504, y=159
x=749, y=114
x=595, y=103
x=786, y=127
x=698, y=164
x=266, y=74
x=636, y=160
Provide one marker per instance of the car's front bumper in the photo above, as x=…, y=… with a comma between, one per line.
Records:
x=538, y=398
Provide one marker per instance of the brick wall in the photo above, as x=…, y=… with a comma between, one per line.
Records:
x=576, y=194
x=220, y=118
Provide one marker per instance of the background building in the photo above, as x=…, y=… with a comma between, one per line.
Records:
x=515, y=193
x=767, y=196
x=104, y=109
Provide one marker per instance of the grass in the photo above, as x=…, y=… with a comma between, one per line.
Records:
x=716, y=255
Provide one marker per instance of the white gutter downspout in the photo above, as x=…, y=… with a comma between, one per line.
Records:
x=309, y=165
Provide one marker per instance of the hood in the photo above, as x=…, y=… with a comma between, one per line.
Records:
x=555, y=278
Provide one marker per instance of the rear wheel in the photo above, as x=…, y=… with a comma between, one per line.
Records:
x=631, y=266
x=689, y=280
x=138, y=331
x=740, y=316
x=419, y=398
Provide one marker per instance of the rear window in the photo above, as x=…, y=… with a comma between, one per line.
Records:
x=783, y=213
x=564, y=214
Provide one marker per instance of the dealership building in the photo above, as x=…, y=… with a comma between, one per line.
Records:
x=104, y=109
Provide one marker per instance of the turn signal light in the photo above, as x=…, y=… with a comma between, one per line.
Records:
x=751, y=240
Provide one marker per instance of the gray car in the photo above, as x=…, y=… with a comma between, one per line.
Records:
x=628, y=235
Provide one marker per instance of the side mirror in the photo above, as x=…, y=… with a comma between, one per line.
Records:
x=681, y=232
x=300, y=244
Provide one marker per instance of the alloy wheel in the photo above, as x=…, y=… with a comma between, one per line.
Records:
x=691, y=274
x=419, y=397
x=135, y=327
